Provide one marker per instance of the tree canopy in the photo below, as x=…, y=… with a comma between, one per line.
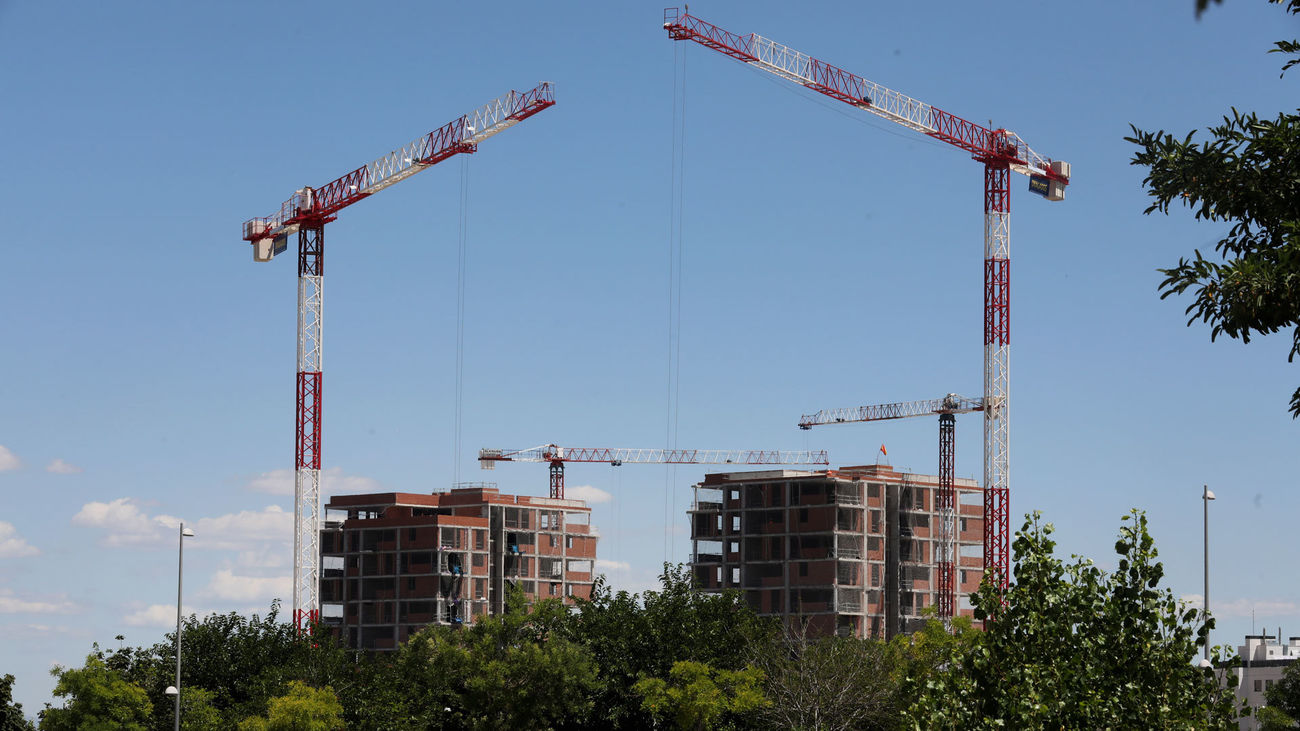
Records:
x=302, y=708
x=1072, y=646
x=97, y=699
x=1068, y=646
x=1246, y=174
x=1283, y=709
x=11, y=713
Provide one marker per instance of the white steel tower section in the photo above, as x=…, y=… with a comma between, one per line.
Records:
x=306, y=495
x=997, y=370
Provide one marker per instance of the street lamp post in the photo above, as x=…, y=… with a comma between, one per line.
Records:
x=175, y=690
x=1206, y=497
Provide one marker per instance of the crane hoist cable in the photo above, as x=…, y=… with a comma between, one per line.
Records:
x=676, y=200
x=462, y=258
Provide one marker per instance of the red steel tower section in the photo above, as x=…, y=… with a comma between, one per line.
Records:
x=306, y=214
x=1001, y=152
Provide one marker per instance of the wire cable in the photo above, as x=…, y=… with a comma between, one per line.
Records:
x=462, y=257
x=674, y=310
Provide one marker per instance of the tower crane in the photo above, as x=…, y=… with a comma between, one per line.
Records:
x=305, y=214
x=1001, y=152
x=557, y=456
x=946, y=504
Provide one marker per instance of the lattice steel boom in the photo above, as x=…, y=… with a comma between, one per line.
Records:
x=556, y=456
x=1001, y=152
x=306, y=214
x=946, y=505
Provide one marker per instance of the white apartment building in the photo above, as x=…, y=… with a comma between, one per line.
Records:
x=1263, y=658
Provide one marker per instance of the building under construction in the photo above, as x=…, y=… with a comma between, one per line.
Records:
x=392, y=563
x=851, y=551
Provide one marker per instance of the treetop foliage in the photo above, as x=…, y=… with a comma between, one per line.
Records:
x=1247, y=174
x=1072, y=646
x=1068, y=646
x=11, y=713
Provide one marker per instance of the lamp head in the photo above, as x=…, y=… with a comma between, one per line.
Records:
x=171, y=690
x=186, y=532
x=1209, y=494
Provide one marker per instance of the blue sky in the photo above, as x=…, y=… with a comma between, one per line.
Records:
x=830, y=259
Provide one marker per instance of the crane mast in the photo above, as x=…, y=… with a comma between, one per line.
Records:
x=556, y=456
x=1001, y=152
x=946, y=502
x=305, y=215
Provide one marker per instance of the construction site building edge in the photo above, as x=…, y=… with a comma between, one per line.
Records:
x=852, y=551
x=393, y=563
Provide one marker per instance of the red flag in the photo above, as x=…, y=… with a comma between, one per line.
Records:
x=882, y=450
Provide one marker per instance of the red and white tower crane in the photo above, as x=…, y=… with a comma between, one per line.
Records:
x=306, y=214
x=557, y=456
x=946, y=504
x=1001, y=152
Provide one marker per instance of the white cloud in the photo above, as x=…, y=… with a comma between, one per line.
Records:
x=587, y=492
x=236, y=531
x=1244, y=607
x=154, y=615
x=269, y=556
x=275, y=482
x=160, y=615
x=10, y=604
x=227, y=585
x=333, y=482
x=13, y=545
x=128, y=525
x=622, y=577
x=8, y=460
x=59, y=467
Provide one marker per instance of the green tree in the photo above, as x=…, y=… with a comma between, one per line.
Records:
x=1272, y=718
x=98, y=699
x=918, y=657
x=1283, y=698
x=1075, y=647
x=240, y=661
x=632, y=637
x=513, y=670
x=11, y=714
x=303, y=708
x=197, y=711
x=827, y=682
x=1247, y=174
x=698, y=697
